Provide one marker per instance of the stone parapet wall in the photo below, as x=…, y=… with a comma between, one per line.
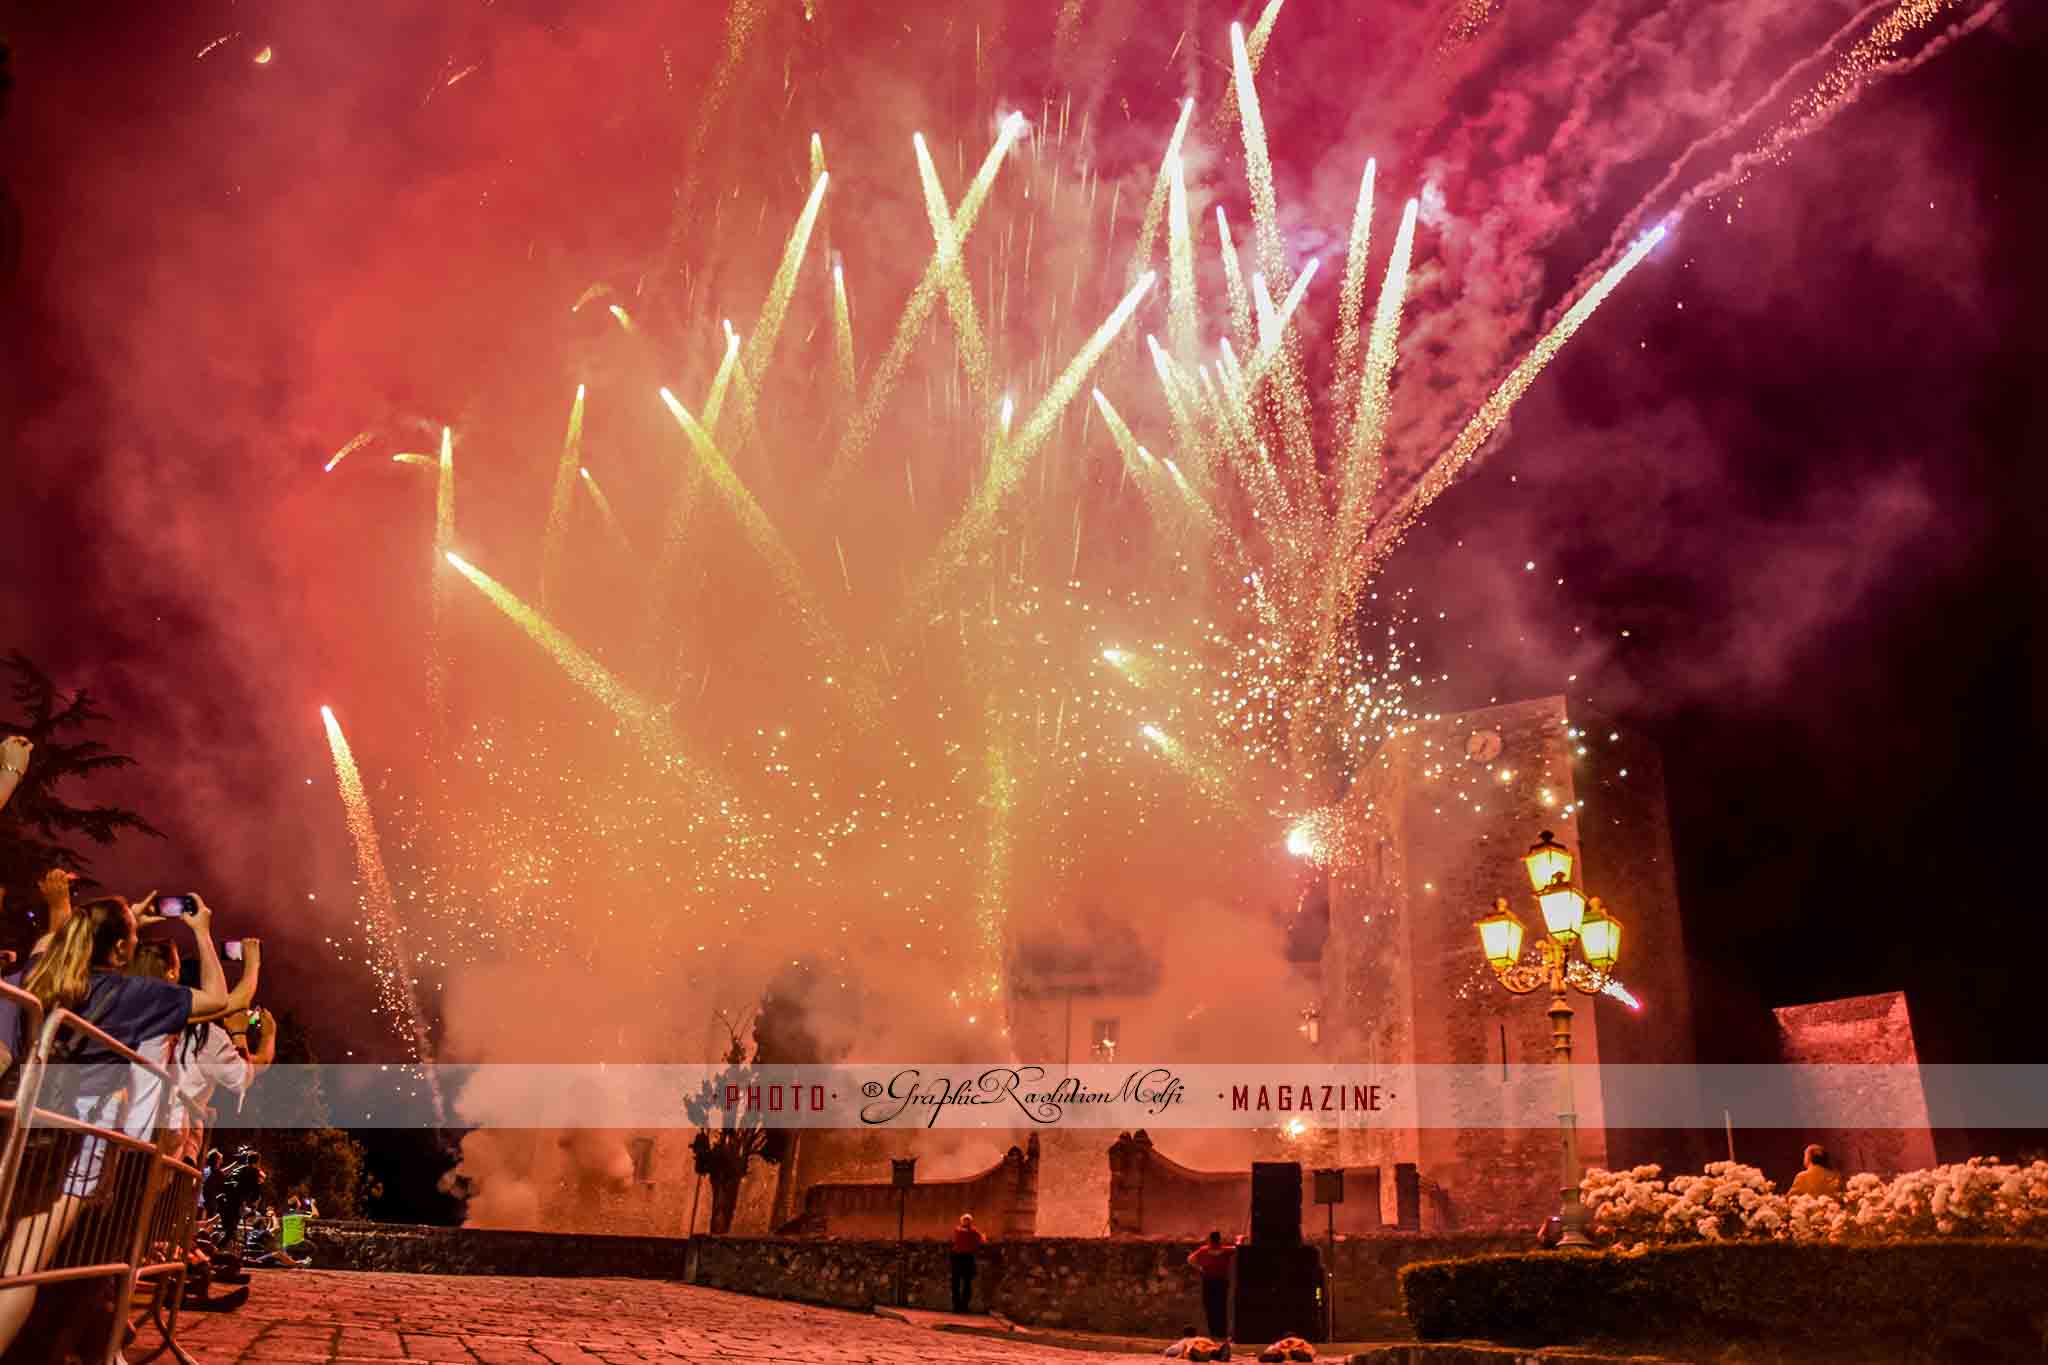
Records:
x=343, y=1245
x=1003, y=1200
x=1135, y=1287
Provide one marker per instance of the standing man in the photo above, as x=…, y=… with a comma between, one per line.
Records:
x=1214, y=1259
x=967, y=1240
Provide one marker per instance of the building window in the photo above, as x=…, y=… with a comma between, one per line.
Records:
x=1104, y=1038
x=642, y=1151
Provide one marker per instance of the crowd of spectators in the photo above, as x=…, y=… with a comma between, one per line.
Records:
x=149, y=975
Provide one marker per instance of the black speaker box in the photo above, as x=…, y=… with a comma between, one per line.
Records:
x=1279, y=1294
x=1276, y=1203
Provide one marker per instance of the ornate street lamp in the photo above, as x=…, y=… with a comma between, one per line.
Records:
x=1547, y=861
x=1569, y=920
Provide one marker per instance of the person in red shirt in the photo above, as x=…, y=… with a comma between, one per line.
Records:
x=1213, y=1259
x=967, y=1240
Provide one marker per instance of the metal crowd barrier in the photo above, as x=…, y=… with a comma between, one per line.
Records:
x=81, y=1196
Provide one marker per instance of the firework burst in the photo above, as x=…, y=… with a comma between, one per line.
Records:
x=1146, y=625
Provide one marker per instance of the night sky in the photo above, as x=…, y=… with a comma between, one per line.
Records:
x=1785, y=474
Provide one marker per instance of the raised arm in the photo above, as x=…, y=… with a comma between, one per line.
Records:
x=252, y=967
x=14, y=752
x=56, y=889
x=262, y=1057
x=212, y=995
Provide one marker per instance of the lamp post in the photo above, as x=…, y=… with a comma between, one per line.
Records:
x=1569, y=920
x=903, y=1175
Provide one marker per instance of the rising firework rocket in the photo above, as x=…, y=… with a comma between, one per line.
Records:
x=394, y=977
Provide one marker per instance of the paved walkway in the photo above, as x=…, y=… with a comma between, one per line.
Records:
x=349, y=1316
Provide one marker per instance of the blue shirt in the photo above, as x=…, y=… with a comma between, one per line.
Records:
x=131, y=1009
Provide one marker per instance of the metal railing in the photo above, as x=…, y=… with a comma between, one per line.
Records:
x=86, y=1190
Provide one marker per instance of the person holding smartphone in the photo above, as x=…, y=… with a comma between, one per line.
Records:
x=83, y=972
x=206, y=1054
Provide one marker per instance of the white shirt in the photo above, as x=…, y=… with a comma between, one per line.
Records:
x=199, y=1060
x=206, y=1062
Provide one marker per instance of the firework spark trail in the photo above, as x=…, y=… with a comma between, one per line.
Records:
x=1155, y=203
x=1375, y=384
x=953, y=278
x=1255, y=52
x=769, y=544
x=739, y=27
x=760, y=349
x=676, y=524
x=415, y=458
x=1138, y=462
x=1835, y=91
x=1181, y=305
x=1136, y=459
x=394, y=967
x=1467, y=21
x=646, y=724
x=1359, y=481
x=1267, y=249
x=1232, y=396
x=604, y=510
x=918, y=308
x=624, y=319
x=1280, y=357
x=356, y=442
x=1008, y=466
x=1174, y=384
x=1204, y=775
x=1275, y=322
x=1838, y=94
x=1291, y=386
x=721, y=383
x=1351, y=297
x=842, y=338
x=1239, y=299
x=1387, y=534
x=767, y=541
x=558, y=504
x=993, y=893
x=444, y=494
x=444, y=536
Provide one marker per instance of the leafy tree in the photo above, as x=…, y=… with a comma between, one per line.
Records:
x=310, y=1155
x=39, y=828
x=729, y=1139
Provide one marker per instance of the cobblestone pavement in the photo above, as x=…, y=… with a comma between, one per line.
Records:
x=348, y=1316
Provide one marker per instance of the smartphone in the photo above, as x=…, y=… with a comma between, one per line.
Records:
x=175, y=907
x=232, y=949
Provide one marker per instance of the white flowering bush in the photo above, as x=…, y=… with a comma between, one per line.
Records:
x=1981, y=1197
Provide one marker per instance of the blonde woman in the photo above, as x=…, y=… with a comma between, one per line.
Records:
x=83, y=972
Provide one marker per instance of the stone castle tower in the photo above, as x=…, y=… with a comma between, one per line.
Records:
x=1433, y=830
x=1436, y=829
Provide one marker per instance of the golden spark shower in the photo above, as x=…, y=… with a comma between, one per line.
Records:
x=913, y=624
